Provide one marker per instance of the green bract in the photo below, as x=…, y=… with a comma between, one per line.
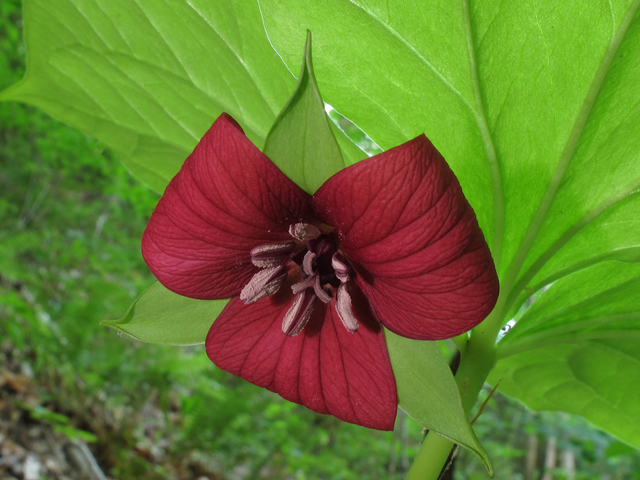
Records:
x=166, y=318
x=301, y=142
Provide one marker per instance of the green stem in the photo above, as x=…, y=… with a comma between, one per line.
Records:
x=431, y=458
x=461, y=342
x=477, y=361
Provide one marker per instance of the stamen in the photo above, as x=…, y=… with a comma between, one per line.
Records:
x=271, y=254
x=306, y=283
x=307, y=262
x=304, y=231
x=340, y=268
x=320, y=293
x=263, y=284
x=345, y=310
x=298, y=314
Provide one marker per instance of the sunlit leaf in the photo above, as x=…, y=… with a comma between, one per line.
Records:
x=576, y=349
x=577, y=378
x=536, y=106
x=600, y=302
x=148, y=78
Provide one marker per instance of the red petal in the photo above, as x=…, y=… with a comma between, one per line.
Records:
x=408, y=230
x=325, y=368
x=227, y=199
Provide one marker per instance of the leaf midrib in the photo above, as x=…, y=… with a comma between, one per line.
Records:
x=477, y=113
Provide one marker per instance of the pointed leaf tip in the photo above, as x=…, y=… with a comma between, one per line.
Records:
x=428, y=392
x=301, y=142
x=166, y=318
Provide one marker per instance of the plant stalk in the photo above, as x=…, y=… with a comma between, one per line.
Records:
x=431, y=458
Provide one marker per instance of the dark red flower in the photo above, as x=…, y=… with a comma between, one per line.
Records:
x=390, y=240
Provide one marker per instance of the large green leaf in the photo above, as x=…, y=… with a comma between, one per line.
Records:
x=428, y=392
x=576, y=378
x=149, y=77
x=301, y=141
x=599, y=302
x=166, y=318
x=536, y=106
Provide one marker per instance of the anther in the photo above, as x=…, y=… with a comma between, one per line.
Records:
x=307, y=263
x=345, y=309
x=304, y=231
x=298, y=314
x=271, y=254
x=263, y=284
x=340, y=268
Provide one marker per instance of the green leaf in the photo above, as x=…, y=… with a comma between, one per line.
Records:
x=576, y=349
x=613, y=235
x=428, y=392
x=599, y=302
x=166, y=318
x=301, y=142
x=576, y=378
x=536, y=108
x=149, y=78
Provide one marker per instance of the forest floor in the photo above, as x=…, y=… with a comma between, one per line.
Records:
x=31, y=448
x=41, y=439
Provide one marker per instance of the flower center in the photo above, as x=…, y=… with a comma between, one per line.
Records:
x=312, y=257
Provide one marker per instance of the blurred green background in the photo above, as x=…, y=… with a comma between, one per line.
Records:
x=71, y=218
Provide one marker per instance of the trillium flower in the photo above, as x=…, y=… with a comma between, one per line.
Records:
x=388, y=241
